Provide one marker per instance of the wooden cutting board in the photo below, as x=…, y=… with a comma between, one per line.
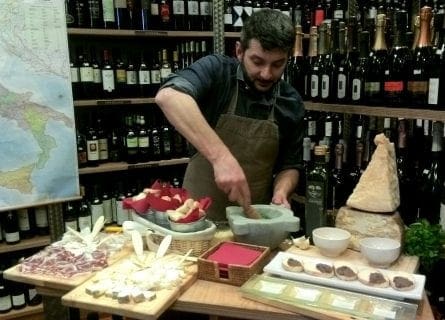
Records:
x=78, y=298
x=49, y=282
x=405, y=263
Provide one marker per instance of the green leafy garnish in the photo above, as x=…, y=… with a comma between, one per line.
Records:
x=426, y=241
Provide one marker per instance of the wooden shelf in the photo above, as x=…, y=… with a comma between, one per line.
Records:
x=113, y=102
x=34, y=242
x=407, y=113
x=22, y=313
x=121, y=166
x=139, y=33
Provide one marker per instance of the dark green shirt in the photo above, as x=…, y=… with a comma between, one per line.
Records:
x=212, y=80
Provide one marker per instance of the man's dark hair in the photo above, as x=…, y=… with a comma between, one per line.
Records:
x=271, y=28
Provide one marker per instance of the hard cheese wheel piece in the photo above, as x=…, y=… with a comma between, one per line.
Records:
x=378, y=187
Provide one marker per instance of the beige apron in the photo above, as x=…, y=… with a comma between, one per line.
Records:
x=254, y=143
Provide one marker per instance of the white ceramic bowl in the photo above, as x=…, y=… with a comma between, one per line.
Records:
x=331, y=241
x=380, y=252
x=188, y=227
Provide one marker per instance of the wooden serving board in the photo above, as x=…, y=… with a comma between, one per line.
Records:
x=404, y=263
x=47, y=282
x=78, y=298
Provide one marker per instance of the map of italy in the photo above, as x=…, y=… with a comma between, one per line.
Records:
x=37, y=131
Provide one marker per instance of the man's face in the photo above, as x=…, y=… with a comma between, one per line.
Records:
x=262, y=67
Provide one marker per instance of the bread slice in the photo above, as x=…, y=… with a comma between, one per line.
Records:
x=373, y=278
x=319, y=269
x=345, y=270
x=292, y=264
x=402, y=281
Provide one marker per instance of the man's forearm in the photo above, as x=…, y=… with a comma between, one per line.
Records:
x=286, y=182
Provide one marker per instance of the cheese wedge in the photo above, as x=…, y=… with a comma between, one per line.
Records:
x=378, y=187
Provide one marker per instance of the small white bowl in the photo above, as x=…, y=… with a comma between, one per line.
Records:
x=331, y=241
x=380, y=252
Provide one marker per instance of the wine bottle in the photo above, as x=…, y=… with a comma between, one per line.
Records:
x=86, y=77
x=228, y=17
x=344, y=67
x=121, y=14
x=398, y=64
x=144, y=78
x=96, y=205
x=93, y=156
x=339, y=193
x=120, y=70
x=311, y=77
x=102, y=141
x=316, y=193
x=107, y=207
x=155, y=18
x=131, y=74
x=296, y=68
x=26, y=225
x=318, y=15
x=155, y=74
x=134, y=11
x=108, y=80
x=11, y=228
x=165, y=14
x=442, y=209
x=166, y=145
x=155, y=140
x=31, y=295
x=307, y=163
x=436, y=82
x=97, y=75
x=360, y=70
x=327, y=68
x=206, y=17
x=193, y=17
x=81, y=14
x=82, y=159
x=432, y=178
x=41, y=218
x=17, y=290
x=237, y=15
x=356, y=171
x=94, y=9
x=144, y=15
x=143, y=138
x=417, y=86
x=84, y=217
x=70, y=216
x=318, y=65
x=115, y=146
x=108, y=18
x=405, y=174
x=376, y=63
x=166, y=68
x=75, y=79
x=179, y=15
x=131, y=141
x=5, y=295
x=121, y=213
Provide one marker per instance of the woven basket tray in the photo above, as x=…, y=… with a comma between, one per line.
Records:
x=199, y=241
x=233, y=274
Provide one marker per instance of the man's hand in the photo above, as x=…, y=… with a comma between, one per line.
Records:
x=281, y=200
x=230, y=178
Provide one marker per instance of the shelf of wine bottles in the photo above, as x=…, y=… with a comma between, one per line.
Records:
x=113, y=102
x=140, y=33
x=22, y=313
x=35, y=242
x=407, y=113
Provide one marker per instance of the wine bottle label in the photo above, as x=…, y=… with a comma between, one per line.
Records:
x=314, y=85
x=108, y=10
x=86, y=74
x=372, y=88
x=18, y=300
x=356, y=89
x=442, y=215
x=433, y=91
x=121, y=213
x=96, y=211
x=165, y=12
x=324, y=86
x=32, y=292
x=297, y=17
x=328, y=129
x=154, y=9
x=237, y=13
x=41, y=217
x=319, y=17
x=315, y=205
x=84, y=222
x=248, y=11
x=71, y=224
x=120, y=4
x=108, y=80
x=178, y=7
x=311, y=128
x=23, y=220
x=417, y=87
x=193, y=8
x=103, y=148
x=204, y=8
x=121, y=76
x=155, y=76
x=144, y=77
x=393, y=87
x=228, y=18
x=12, y=236
x=92, y=150
x=338, y=14
x=143, y=142
x=97, y=76
x=132, y=78
x=74, y=71
x=165, y=72
x=114, y=209
x=107, y=208
x=341, y=86
x=286, y=13
x=359, y=132
x=5, y=302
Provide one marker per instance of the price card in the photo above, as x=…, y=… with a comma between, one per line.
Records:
x=384, y=312
x=307, y=294
x=343, y=302
x=271, y=287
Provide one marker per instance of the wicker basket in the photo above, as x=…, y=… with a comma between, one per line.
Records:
x=233, y=274
x=199, y=241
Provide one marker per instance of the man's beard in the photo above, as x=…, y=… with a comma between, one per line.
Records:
x=251, y=83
